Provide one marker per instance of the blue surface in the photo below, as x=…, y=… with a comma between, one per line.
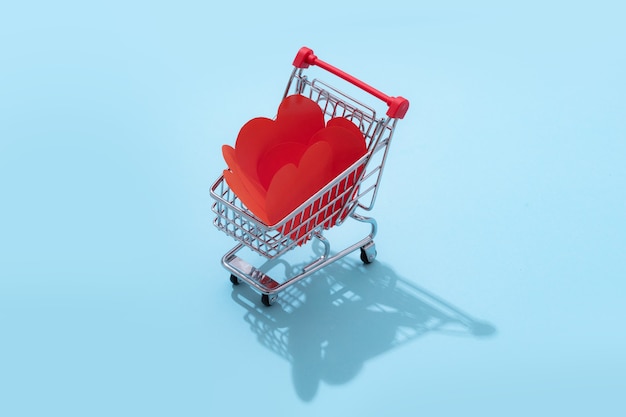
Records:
x=499, y=283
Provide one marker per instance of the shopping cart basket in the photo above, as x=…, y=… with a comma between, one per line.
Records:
x=353, y=189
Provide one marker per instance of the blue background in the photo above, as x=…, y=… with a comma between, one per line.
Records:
x=501, y=212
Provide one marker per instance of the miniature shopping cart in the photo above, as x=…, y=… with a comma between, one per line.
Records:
x=352, y=190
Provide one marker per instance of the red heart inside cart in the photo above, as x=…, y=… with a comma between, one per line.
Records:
x=277, y=165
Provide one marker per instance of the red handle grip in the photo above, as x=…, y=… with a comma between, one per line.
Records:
x=398, y=106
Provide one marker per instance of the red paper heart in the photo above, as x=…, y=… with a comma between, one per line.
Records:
x=348, y=146
x=293, y=185
x=278, y=165
x=297, y=120
x=250, y=193
x=276, y=157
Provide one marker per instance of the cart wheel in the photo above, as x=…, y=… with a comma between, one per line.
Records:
x=368, y=254
x=266, y=300
x=234, y=279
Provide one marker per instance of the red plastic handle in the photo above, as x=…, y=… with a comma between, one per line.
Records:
x=398, y=106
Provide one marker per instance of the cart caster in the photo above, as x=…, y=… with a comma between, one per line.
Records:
x=267, y=300
x=234, y=279
x=368, y=253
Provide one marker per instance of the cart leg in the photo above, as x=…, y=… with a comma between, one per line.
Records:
x=323, y=257
x=368, y=248
x=370, y=220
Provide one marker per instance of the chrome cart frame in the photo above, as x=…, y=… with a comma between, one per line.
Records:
x=331, y=205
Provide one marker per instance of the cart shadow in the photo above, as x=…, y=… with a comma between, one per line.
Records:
x=328, y=325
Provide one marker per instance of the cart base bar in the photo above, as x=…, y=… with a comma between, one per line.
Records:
x=249, y=273
x=268, y=287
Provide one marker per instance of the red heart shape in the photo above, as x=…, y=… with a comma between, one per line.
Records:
x=293, y=185
x=348, y=147
x=249, y=192
x=276, y=157
x=347, y=143
x=278, y=165
x=297, y=120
